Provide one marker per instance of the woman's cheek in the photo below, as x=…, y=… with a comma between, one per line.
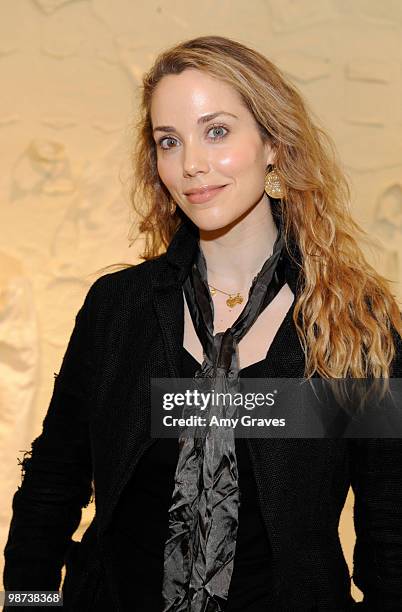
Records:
x=235, y=161
x=166, y=176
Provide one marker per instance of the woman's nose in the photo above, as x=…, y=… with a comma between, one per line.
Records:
x=195, y=159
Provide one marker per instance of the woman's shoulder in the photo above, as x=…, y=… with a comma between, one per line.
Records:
x=135, y=277
x=128, y=289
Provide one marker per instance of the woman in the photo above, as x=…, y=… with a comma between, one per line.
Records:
x=245, y=192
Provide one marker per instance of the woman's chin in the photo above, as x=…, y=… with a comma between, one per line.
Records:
x=212, y=224
x=207, y=220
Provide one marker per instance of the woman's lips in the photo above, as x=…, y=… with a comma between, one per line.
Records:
x=205, y=196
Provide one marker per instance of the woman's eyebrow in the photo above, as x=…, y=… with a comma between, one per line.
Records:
x=202, y=119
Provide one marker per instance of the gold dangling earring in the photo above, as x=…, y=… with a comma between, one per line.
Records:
x=273, y=185
x=172, y=207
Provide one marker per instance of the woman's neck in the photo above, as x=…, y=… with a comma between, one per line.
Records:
x=234, y=255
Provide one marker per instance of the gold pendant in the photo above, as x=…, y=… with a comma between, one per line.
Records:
x=273, y=185
x=233, y=300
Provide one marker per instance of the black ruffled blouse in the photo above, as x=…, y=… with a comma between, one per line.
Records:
x=141, y=525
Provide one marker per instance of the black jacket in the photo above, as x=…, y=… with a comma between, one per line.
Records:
x=130, y=328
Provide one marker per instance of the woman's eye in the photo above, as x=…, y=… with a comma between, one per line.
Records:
x=218, y=127
x=163, y=140
x=166, y=139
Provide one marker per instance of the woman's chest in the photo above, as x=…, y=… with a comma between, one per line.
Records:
x=254, y=346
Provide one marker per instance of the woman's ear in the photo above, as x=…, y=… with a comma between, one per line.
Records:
x=270, y=153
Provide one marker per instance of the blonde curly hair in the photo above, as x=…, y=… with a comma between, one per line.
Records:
x=346, y=308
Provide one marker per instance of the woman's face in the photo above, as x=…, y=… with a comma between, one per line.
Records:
x=194, y=150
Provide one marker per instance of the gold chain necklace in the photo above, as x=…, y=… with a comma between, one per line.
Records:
x=232, y=299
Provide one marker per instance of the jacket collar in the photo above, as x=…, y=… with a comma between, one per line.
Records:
x=185, y=242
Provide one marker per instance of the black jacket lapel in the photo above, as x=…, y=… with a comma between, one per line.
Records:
x=163, y=359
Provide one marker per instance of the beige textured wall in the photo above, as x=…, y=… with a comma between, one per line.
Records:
x=68, y=70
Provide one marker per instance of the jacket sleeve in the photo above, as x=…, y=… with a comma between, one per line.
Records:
x=376, y=478
x=57, y=473
x=377, y=556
